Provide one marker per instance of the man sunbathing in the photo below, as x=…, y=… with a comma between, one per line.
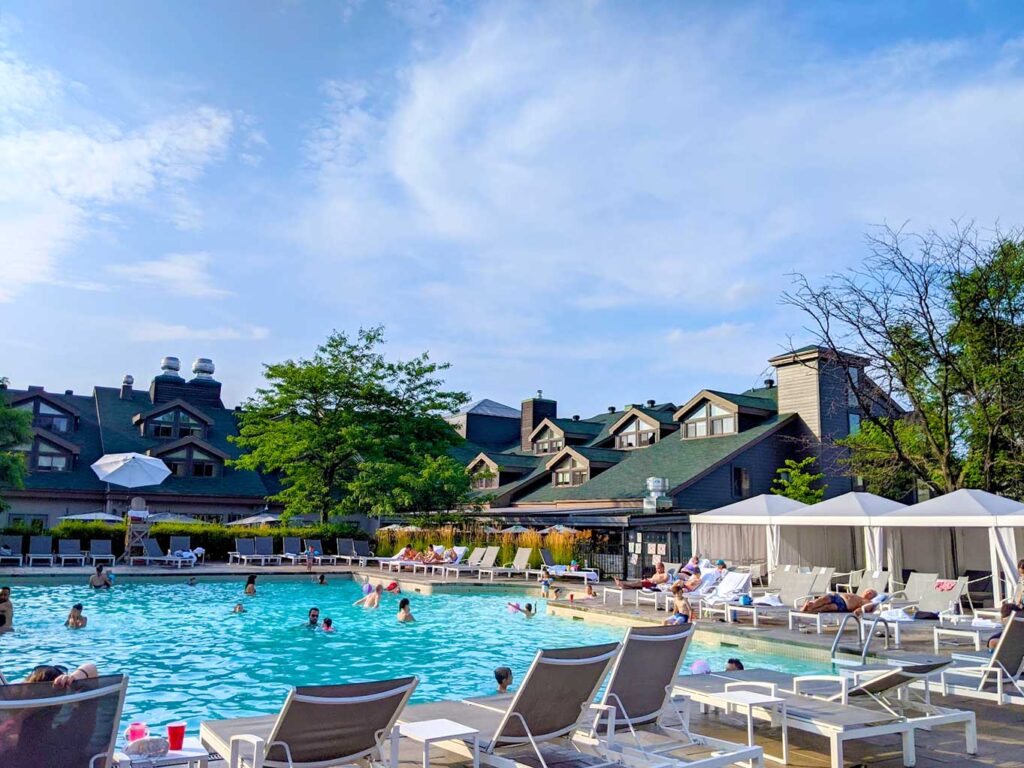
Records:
x=660, y=576
x=842, y=602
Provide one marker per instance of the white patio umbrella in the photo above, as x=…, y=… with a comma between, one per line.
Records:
x=491, y=529
x=516, y=529
x=558, y=529
x=170, y=517
x=263, y=518
x=98, y=517
x=392, y=527
x=130, y=470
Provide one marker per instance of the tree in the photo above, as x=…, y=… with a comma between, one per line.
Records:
x=795, y=481
x=348, y=424
x=939, y=321
x=15, y=430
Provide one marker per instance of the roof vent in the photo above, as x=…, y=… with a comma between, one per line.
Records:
x=540, y=394
x=69, y=392
x=126, y=386
x=769, y=383
x=611, y=409
x=650, y=403
x=35, y=388
x=576, y=417
x=128, y=380
x=203, y=368
x=170, y=366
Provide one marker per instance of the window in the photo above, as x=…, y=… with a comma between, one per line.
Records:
x=709, y=419
x=636, y=434
x=570, y=472
x=740, y=482
x=854, y=386
x=481, y=482
x=45, y=416
x=853, y=423
x=173, y=425
x=41, y=456
x=192, y=462
x=548, y=442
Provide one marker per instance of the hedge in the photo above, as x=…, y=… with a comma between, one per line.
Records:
x=217, y=540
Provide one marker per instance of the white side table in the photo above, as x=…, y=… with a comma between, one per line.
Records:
x=192, y=754
x=428, y=731
x=744, y=702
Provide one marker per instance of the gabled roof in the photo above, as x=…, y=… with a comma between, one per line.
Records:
x=54, y=400
x=589, y=455
x=171, y=405
x=651, y=416
x=681, y=461
x=202, y=445
x=569, y=427
x=485, y=407
x=50, y=437
x=509, y=461
x=760, y=406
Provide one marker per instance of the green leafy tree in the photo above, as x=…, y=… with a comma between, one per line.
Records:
x=939, y=320
x=347, y=424
x=15, y=430
x=794, y=480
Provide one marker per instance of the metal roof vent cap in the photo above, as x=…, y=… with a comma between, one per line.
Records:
x=203, y=368
x=170, y=366
x=128, y=380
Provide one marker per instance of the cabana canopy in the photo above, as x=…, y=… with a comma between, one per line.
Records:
x=757, y=510
x=745, y=540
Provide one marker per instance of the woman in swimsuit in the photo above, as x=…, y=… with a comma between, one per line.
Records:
x=75, y=619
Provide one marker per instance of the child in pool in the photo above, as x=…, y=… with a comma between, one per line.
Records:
x=328, y=624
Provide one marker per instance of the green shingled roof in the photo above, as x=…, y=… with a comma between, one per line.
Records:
x=677, y=459
x=518, y=461
x=600, y=454
x=747, y=400
x=581, y=427
x=662, y=417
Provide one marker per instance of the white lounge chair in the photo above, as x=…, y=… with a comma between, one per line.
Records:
x=473, y=559
x=70, y=549
x=291, y=550
x=488, y=557
x=562, y=571
x=245, y=552
x=793, y=587
x=40, y=548
x=536, y=723
x=911, y=592
x=151, y=553
x=460, y=552
x=999, y=678
x=346, y=550
x=265, y=549
x=320, y=555
x=318, y=726
x=731, y=589
x=637, y=718
x=519, y=565
x=12, y=543
x=79, y=724
x=100, y=551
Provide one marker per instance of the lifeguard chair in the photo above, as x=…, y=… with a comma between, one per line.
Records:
x=137, y=529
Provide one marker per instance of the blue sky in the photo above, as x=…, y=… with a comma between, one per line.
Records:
x=602, y=200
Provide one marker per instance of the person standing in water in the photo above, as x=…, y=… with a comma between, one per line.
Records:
x=250, y=584
x=372, y=600
x=75, y=618
x=100, y=580
x=404, y=612
x=503, y=676
x=6, y=610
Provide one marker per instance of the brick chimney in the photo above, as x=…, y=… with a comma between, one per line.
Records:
x=534, y=411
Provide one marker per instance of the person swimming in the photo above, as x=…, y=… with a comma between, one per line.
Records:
x=503, y=676
x=250, y=584
x=314, y=618
x=75, y=619
x=321, y=580
x=239, y=608
x=404, y=612
x=529, y=611
x=192, y=581
x=6, y=610
x=372, y=599
x=100, y=580
x=328, y=624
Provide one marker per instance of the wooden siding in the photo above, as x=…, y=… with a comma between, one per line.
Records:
x=799, y=392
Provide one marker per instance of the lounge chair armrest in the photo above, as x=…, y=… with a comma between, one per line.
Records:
x=801, y=599
x=741, y=685
x=900, y=593
x=238, y=742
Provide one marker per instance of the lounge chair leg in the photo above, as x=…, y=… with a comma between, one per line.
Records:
x=909, y=751
x=836, y=744
x=971, y=736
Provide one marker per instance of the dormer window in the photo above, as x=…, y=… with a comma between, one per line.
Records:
x=45, y=416
x=570, y=472
x=547, y=441
x=192, y=462
x=709, y=419
x=173, y=424
x=635, y=434
x=43, y=455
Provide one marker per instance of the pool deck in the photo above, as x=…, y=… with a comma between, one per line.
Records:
x=1000, y=728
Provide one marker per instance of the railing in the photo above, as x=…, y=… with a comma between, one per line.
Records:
x=864, y=640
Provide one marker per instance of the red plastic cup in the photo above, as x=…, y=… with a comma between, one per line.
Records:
x=571, y=597
x=175, y=735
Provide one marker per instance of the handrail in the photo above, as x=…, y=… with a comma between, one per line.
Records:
x=865, y=641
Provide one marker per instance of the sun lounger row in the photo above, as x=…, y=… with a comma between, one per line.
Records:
x=482, y=562
x=40, y=549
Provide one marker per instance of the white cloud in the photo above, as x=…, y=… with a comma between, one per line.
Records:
x=182, y=274
x=554, y=174
x=155, y=331
x=61, y=177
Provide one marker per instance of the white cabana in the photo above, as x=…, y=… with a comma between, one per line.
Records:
x=744, y=532
x=965, y=529
x=812, y=534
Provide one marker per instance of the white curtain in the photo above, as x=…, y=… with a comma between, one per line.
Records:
x=818, y=545
x=1004, y=545
x=772, y=535
x=873, y=552
x=735, y=543
x=894, y=554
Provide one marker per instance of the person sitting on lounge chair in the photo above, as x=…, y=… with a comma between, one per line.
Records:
x=431, y=557
x=59, y=676
x=842, y=602
x=1016, y=603
x=692, y=567
x=659, y=577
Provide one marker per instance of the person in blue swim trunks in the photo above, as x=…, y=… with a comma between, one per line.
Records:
x=842, y=602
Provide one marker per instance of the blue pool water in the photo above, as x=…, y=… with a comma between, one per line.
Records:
x=190, y=658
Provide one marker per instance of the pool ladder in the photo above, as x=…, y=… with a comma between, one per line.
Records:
x=864, y=637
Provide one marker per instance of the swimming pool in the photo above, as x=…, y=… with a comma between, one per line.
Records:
x=189, y=657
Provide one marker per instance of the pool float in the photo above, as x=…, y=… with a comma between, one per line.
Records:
x=700, y=667
x=393, y=587
x=513, y=607
x=367, y=588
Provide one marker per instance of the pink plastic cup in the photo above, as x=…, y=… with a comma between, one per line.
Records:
x=137, y=731
x=175, y=735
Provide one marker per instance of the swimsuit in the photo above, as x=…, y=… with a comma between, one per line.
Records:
x=679, y=618
x=839, y=603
